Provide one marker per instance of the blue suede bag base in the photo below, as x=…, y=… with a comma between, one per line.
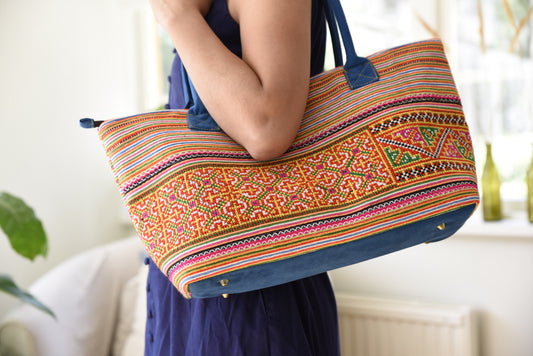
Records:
x=270, y=274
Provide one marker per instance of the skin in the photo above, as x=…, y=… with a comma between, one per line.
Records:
x=258, y=100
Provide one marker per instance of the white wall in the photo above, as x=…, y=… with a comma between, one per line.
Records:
x=62, y=60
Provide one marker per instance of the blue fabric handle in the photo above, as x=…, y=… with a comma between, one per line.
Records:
x=334, y=34
x=198, y=118
x=359, y=71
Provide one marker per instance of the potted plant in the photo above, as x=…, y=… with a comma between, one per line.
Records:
x=27, y=237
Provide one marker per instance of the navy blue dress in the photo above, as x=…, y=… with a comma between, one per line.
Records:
x=296, y=319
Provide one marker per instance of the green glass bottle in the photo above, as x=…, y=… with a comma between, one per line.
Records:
x=529, y=179
x=490, y=189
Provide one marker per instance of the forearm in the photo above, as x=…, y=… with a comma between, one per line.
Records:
x=258, y=100
x=230, y=89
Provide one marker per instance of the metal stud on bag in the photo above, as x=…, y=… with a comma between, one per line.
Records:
x=224, y=283
x=441, y=227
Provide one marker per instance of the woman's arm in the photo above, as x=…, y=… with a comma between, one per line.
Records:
x=259, y=100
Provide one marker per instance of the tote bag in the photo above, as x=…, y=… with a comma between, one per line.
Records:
x=383, y=161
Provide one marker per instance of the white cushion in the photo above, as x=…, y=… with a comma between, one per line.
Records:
x=84, y=294
x=129, y=333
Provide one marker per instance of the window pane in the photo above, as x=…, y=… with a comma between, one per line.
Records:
x=496, y=86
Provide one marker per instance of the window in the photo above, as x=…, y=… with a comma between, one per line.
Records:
x=496, y=83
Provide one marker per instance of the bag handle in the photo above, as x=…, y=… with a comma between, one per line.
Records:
x=359, y=71
x=334, y=34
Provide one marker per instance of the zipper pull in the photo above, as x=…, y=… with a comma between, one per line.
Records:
x=87, y=123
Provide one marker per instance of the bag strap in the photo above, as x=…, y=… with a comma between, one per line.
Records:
x=334, y=34
x=359, y=71
x=198, y=118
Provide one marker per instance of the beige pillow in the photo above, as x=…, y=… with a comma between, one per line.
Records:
x=16, y=340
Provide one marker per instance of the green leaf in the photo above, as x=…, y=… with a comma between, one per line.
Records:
x=8, y=286
x=23, y=229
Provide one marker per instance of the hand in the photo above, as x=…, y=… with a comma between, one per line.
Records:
x=167, y=12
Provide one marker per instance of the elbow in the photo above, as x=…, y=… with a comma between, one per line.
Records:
x=267, y=149
x=269, y=143
x=272, y=131
x=266, y=154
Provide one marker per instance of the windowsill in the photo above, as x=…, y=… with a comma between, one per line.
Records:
x=514, y=227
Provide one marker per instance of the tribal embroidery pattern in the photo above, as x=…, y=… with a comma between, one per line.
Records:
x=200, y=203
x=395, y=151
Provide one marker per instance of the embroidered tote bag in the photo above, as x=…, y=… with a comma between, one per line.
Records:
x=383, y=161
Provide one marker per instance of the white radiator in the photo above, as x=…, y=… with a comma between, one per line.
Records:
x=378, y=327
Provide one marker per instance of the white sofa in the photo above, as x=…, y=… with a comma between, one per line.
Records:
x=100, y=303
